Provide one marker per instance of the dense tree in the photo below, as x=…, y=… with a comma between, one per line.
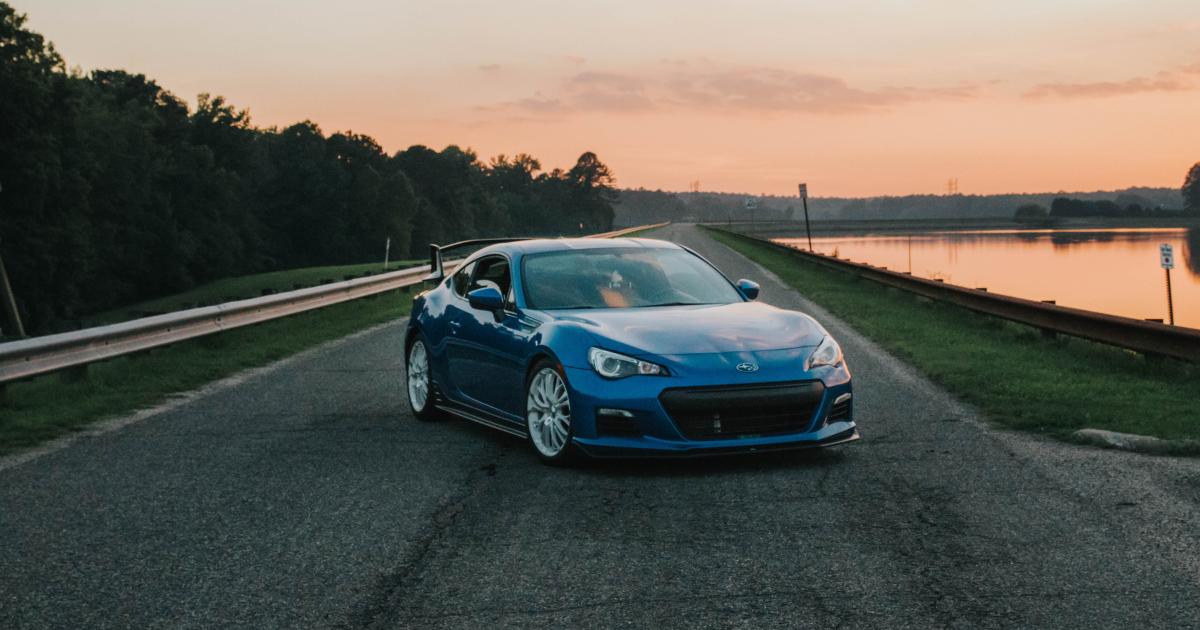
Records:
x=1191, y=189
x=592, y=192
x=1031, y=213
x=1067, y=207
x=115, y=190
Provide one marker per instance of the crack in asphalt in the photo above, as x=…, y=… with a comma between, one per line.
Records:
x=379, y=608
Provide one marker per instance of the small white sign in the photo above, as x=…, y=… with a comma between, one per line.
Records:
x=1168, y=256
x=804, y=191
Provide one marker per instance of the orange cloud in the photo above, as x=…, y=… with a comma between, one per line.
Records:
x=1165, y=81
x=708, y=88
x=775, y=90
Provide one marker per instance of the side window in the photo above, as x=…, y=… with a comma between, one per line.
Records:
x=493, y=272
x=461, y=278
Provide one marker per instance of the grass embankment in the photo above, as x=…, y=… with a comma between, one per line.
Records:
x=47, y=407
x=1012, y=373
x=243, y=287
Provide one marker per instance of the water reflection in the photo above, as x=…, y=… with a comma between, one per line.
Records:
x=1072, y=238
x=1108, y=270
x=1191, y=253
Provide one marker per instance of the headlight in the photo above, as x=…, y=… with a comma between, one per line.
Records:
x=614, y=365
x=827, y=353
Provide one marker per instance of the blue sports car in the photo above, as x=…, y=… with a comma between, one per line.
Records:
x=620, y=347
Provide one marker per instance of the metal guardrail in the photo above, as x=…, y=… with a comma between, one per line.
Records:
x=51, y=353
x=1132, y=334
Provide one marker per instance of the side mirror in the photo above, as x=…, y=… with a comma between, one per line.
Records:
x=748, y=288
x=486, y=299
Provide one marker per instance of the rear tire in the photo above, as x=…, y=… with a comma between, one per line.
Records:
x=419, y=379
x=548, y=414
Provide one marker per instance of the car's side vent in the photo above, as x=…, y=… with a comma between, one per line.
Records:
x=840, y=411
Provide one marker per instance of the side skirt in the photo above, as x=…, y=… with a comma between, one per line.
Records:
x=487, y=422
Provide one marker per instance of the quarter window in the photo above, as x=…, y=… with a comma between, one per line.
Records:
x=462, y=278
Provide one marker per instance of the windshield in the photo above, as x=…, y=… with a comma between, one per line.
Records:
x=622, y=278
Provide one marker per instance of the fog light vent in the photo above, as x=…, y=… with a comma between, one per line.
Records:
x=840, y=411
x=615, y=422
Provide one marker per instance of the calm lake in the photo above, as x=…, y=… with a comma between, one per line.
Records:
x=1108, y=270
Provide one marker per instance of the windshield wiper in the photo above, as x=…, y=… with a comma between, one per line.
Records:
x=674, y=304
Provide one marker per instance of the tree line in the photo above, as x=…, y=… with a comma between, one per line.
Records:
x=113, y=190
x=635, y=207
x=1124, y=205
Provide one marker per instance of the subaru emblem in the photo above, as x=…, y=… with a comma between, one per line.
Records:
x=747, y=367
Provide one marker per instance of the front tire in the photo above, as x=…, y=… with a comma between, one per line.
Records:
x=420, y=382
x=548, y=414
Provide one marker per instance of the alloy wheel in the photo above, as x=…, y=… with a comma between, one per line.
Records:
x=418, y=376
x=548, y=413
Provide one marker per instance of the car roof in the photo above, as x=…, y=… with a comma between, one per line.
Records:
x=540, y=245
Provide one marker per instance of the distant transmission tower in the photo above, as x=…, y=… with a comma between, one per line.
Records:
x=694, y=186
x=952, y=186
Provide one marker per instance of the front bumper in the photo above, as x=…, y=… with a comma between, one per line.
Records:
x=650, y=430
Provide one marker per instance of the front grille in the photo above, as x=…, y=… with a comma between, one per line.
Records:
x=713, y=413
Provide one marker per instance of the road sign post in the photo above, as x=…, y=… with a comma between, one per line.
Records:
x=751, y=203
x=804, y=202
x=1167, y=259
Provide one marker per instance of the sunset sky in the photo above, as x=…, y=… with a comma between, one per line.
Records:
x=857, y=98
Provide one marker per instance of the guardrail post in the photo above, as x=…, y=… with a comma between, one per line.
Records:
x=74, y=374
x=1046, y=332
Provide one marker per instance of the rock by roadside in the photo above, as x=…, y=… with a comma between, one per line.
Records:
x=1137, y=443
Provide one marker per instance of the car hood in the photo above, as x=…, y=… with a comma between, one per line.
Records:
x=663, y=330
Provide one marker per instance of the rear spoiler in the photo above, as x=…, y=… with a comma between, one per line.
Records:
x=437, y=270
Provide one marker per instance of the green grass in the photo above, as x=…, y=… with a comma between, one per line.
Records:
x=1012, y=373
x=48, y=407
x=243, y=287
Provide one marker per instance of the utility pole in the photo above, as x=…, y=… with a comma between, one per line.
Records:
x=10, y=302
x=804, y=202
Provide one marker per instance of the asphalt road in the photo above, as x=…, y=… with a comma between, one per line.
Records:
x=306, y=496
